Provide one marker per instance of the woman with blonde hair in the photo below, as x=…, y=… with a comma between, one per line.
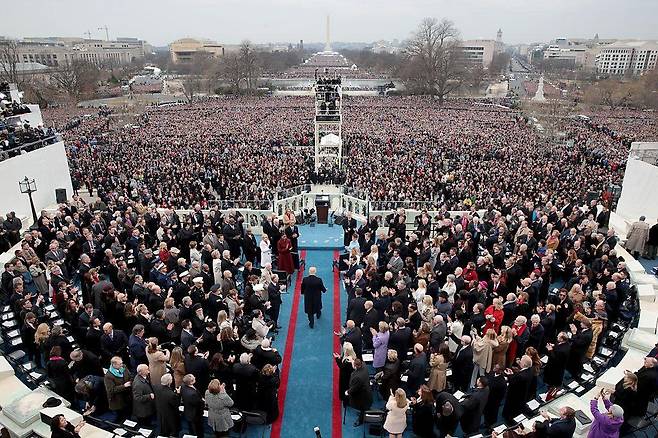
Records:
x=626, y=395
x=41, y=340
x=157, y=360
x=576, y=294
x=396, y=419
x=427, y=310
x=345, y=365
x=222, y=320
x=177, y=364
x=374, y=253
x=483, y=354
x=420, y=292
x=500, y=352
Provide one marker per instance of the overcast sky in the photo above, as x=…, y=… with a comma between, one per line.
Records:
x=230, y=21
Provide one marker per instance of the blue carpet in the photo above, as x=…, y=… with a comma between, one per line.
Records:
x=648, y=264
x=320, y=236
x=309, y=394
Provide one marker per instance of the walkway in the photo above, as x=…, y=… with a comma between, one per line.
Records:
x=308, y=397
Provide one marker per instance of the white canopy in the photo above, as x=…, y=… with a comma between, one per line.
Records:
x=331, y=140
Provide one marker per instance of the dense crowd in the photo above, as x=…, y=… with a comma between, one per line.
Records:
x=181, y=310
x=173, y=307
x=487, y=312
x=236, y=149
x=16, y=136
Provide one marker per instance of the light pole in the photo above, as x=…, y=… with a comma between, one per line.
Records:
x=29, y=186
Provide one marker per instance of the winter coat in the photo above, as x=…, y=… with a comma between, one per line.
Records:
x=219, y=414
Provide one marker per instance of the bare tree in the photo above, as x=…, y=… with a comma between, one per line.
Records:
x=610, y=92
x=77, y=78
x=9, y=60
x=434, y=63
x=231, y=70
x=249, y=64
x=191, y=86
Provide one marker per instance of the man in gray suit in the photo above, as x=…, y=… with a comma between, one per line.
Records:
x=143, y=397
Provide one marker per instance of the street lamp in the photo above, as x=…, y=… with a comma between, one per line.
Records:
x=29, y=186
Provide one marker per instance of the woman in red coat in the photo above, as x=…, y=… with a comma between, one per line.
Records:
x=285, y=262
x=494, y=316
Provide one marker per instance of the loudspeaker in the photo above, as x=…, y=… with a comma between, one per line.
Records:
x=60, y=196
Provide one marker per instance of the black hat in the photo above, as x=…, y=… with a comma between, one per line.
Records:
x=52, y=402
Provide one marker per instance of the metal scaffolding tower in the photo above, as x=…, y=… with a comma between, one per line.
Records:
x=328, y=121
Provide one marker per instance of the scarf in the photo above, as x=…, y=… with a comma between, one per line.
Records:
x=117, y=373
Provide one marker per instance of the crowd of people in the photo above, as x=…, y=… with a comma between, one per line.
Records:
x=458, y=320
x=178, y=310
x=14, y=133
x=460, y=153
x=160, y=302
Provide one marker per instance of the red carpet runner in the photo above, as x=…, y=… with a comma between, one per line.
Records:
x=336, y=423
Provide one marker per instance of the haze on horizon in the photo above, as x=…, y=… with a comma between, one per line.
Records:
x=229, y=21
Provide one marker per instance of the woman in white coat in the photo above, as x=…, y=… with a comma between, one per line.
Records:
x=396, y=419
x=265, y=250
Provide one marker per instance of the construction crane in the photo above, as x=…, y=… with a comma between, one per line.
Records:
x=88, y=33
x=107, y=32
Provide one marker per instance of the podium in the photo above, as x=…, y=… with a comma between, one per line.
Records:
x=322, y=207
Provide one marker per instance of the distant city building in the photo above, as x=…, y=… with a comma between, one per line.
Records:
x=57, y=51
x=481, y=52
x=184, y=50
x=627, y=57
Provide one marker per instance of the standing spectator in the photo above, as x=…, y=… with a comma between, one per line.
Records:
x=483, y=354
x=417, y=369
x=192, y=405
x=167, y=402
x=359, y=392
x=562, y=427
x=137, y=347
x=473, y=406
x=637, y=238
x=626, y=394
x=267, y=393
x=558, y=357
x=606, y=424
x=380, y=343
x=517, y=390
x=497, y=390
x=113, y=342
x=580, y=341
x=117, y=385
x=423, y=413
x=59, y=375
x=157, y=360
x=219, y=414
x=439, y=361
x=462, y=364
x=396, y=418
x=345, y=363
x=177, y=364
x=143, y=397
x=448, y=413
x=647, y=384
x=652, y=243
